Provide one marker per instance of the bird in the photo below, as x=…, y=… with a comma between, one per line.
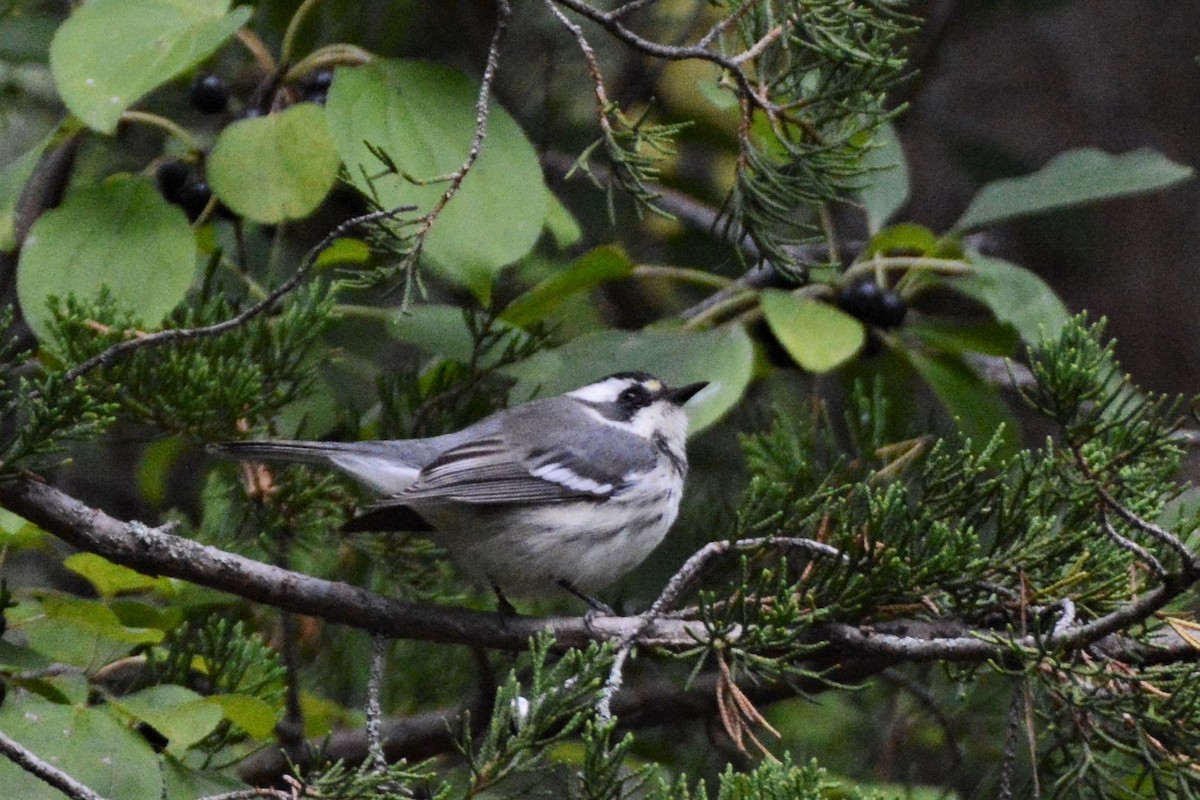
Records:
x=573, y=490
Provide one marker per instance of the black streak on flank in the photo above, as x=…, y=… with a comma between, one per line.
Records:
x=678, y=463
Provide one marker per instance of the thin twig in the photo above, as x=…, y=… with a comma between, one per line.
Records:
x=1141, y=553
x=482, y=113
x=679, y=584
x=28, y=761
x=379, y=652
x=157, y=338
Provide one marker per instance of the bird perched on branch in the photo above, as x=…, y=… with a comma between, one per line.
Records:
x=574, y=490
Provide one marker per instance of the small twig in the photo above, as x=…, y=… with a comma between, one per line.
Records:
x=1141, y=553
x=758, y=47
x=482, y=112
x=1190, y=562
x=927, y=702
x=679, y=584
x=379, y=652
x=28, y=761
x=1008, y=762
x=253, y=794
x=182, y=334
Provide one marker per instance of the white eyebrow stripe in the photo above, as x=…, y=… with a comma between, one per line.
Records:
x=565, y=476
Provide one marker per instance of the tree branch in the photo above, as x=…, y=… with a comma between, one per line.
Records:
x=155, y=552
x=28, y=761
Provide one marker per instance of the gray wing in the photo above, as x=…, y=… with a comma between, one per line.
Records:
x=545, y=452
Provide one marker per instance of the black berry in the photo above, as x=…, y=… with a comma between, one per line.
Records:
x=193, y=198
x=867, y=301
x=318, y=81
x=171, y=176
x=892, y=309
x=209, y=94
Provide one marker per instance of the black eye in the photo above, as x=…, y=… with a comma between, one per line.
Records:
x=635, y=397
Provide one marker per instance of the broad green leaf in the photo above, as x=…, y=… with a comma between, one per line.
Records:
x=434, y=329
x=1014, y=295
x=154, y=468
x=990, y=338
x=111, y=52
x=344, y=251
x=256, y=717
x=817, y=335
x=120, y=234
x=593, y=268
x=1072, y=178
x=86, y=742
x=98, y=617
x=722, y=356
x=137, y=614
x=974, y=405
x=181, y=715
x=277, y=167
x=561, y=223
x=888, y=187
x=16, y=532
x=184, y=781
x=906, y=237
x=423, y=117
x=109, y=579
x=18, y=658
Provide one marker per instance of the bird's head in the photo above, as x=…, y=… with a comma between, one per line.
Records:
x=641, y=402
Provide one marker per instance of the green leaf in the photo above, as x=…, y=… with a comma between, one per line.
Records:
x=607, y=263
x=253, y=715
x=888, y=189
x=817, y=335
x=990, y=338
x=88, y=743
x=1072, y=178
x=17, y=532
x=181, y=715
x=83, y=632
x=423, y=117
x=906, y=237
x=1014, y=295
x=723, y=356
x=274, y=168
x=434, y=329
x=345, y=251
x=975, y=406
x=109, y=579
x=561, y=223
x=17, y=658
x=120, y=234
x=111, y=52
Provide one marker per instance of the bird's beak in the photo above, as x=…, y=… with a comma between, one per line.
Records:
x=684, y=393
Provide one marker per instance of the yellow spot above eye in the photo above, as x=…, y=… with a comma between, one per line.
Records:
x=654, y=386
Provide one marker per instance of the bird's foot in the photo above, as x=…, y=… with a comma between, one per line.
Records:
x=596, y=608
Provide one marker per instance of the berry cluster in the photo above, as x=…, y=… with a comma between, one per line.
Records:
x=867, y=301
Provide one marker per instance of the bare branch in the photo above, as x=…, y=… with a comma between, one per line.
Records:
x=28, y=761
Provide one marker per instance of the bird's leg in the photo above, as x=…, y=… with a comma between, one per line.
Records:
x=504, y=607
x=596, y=606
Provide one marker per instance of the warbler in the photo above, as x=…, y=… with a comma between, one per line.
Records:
x=574, y=490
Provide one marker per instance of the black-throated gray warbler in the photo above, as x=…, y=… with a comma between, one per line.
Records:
x=576, y=489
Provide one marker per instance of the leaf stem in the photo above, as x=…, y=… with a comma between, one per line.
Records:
x=293, y=30
x=683, y=274
x=728, y=305
x=162, y=123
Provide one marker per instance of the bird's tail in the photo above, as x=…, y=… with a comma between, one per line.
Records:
x=290, y=451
